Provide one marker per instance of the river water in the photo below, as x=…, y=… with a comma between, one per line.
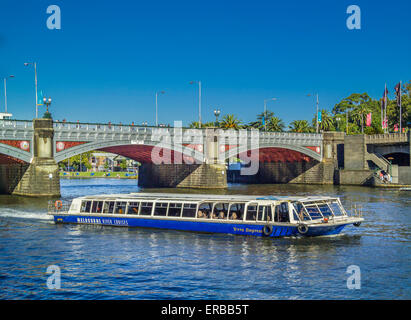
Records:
x=103, y=262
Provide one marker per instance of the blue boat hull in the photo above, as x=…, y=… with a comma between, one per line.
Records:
x=198, y=226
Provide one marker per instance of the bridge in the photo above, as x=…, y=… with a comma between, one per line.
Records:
x=182, y=157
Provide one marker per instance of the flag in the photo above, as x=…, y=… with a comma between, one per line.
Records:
x=369, y=119
x=40, y=98
x=395, y=127
x=263, y=120
x=319, y=116
x=385, y=106
x=384, y=95
x=397, y=89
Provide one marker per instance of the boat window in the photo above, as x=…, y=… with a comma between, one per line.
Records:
x=336, y=208
x=281, y=213
x=325, y=209
x=264, y=213
x=221, y=210
x=301, y=212
x=189, y=210
x=97, y=205
x=160, y=209
x=205, y=209
x=174, y=209
x=132, y=208
x=146, y=208
x=85, y=206
x=236, y=211
x=120, y=207
x=313, y=211
x=108, y=207
x=251, y=212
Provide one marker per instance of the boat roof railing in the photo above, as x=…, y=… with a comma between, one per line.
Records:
x=204, y=197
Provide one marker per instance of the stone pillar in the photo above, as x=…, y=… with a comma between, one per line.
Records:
x=355, y=151
x=41, y=179
x=207, y=175
x=356, y=170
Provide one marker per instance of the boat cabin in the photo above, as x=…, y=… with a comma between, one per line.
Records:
x=239, y=209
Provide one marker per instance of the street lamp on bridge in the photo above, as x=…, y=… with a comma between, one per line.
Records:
x=35, y=82
x=216, y=113
x=199, y=101
x=265, y=111
x=157, y=93
x=5, y=91
x=316, y=115
x=47, y=102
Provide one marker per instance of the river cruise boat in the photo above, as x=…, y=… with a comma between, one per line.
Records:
x=266, y=216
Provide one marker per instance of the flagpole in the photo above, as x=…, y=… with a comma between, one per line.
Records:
x=400, y=109
x=385, y=109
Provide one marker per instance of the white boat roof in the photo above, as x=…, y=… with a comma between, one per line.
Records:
x=202, y=197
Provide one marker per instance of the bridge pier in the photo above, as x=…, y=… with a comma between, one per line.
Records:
x=211, y=176
x=41, y=177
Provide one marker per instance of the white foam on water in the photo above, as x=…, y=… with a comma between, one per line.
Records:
x=13, y=213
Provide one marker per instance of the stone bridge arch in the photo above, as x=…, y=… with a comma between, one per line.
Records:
x=13, y=153
x=124, y=148
x=307, y=151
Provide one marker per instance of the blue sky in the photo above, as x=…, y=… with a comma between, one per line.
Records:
x=110, y=57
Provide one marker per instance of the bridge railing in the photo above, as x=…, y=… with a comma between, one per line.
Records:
x=387, y=138
x=16, y=124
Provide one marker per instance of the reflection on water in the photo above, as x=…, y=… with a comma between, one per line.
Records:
x=100, y=262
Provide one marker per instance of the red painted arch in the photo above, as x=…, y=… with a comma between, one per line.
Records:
x=275, y=155
x=143, y=154
x=4, y=159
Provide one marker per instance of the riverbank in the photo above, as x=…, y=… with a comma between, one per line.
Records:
x=88, y=175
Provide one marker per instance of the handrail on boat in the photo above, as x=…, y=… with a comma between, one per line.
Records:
x=56, y=206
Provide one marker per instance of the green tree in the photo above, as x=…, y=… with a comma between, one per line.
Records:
x=327, y=121
x=393, y=109
x=78, y=160
x=271, y=122
x=360, y=112
x=275, y=124
x=230, y=121
x=196, y=125
x=300, y=126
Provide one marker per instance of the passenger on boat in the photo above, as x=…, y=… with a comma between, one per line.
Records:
x=221, y=215
x=200, y=214
x=277, y=214
x=214, y=216
x=301, y=214
x=233, y=216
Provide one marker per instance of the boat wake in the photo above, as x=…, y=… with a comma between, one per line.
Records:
x=13, y=213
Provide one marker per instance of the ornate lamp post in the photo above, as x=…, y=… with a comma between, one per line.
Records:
x=216, y=113
x=47, y=102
